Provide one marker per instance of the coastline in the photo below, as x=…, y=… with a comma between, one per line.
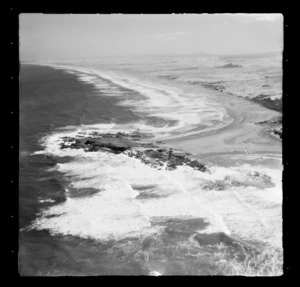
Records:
x=244, y=135
x=158, y=209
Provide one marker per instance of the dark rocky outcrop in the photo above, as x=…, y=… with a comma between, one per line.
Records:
x=276, y=120
x=115, y=144
x=169, y=77
x=278, y=132
x=214, y=86
x=155, y=155
x=273, y=126
x=255, y=179
x=230, y=66
x=266, y=101
x=262, y=99
x=218, y=86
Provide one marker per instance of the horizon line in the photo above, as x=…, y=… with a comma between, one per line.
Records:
x=158, y=55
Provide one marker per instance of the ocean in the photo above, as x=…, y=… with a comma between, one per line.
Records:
x=96, y=213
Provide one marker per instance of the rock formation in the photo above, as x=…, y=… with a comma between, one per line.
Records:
x=155, y=155
x=230, y=66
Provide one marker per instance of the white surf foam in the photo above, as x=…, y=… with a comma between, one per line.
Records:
x=248, y=210
x=188, y=110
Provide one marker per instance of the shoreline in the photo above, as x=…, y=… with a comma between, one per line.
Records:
x=238, y=109
x=100, y=180
x=244, y=135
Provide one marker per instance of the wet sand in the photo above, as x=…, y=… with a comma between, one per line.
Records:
x=242, y=136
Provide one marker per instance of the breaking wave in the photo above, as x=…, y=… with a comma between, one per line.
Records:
x=116, y=197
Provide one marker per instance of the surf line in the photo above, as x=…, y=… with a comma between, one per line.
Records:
x=218, y=220
x=135, y=193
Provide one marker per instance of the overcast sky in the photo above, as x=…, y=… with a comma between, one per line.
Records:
x=45, y=37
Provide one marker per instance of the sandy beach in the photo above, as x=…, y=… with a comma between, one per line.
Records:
x=242, y=136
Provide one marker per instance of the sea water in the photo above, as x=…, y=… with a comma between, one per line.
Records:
x=104, y=214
